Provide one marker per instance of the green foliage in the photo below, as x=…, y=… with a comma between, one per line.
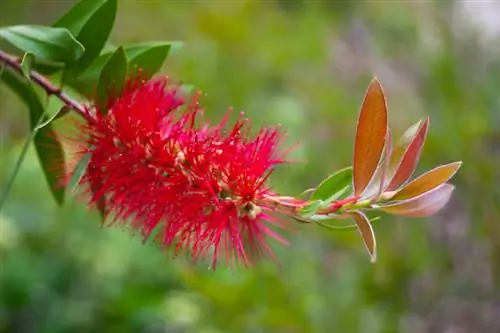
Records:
x=335, y=186
x=27, y=64
x=112, y=78
x=77, y=40
x=54, y=44
x=146, y=57
x=91, y=22
x=149, y=57
x=48, y=148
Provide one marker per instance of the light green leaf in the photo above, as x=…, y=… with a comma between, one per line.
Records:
x=49, y=43
x=311, y=209
x=333, y=184
x=26, y=64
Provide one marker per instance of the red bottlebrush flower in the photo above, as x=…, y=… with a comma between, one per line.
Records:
x=201, y=187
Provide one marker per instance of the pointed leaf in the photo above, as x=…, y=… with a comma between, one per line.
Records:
x=148, y=57
x=426, y=204
x=377, y=184
x=113, y=78
x=370, y=136
x=410, y=158
x=91, y=22
x=311, y=208
x=427, y=181
x=48, y=148
x=54, y=44
x=366, y=231
x=78, y=172
x=61, y=112
x=27, y=64
x=334, y=183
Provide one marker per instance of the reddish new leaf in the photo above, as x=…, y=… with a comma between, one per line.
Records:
x=424, y=205
x=409, y=160
x=427, y=181
x=366, y=231
x=378, y=181
x=370, y=136
x=401, y=146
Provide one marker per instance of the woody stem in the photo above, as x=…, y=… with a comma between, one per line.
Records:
x=51, y=90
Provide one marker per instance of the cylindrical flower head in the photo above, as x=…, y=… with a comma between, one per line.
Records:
x=197, y=187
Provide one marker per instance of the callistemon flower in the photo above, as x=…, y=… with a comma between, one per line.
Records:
x=155, y=164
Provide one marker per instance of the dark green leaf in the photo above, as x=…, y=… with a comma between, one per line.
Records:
x=26, y=64
x=333, y=184
x=91, y=22
x=54, y=44
x=147, y=57
x=47, y=67
x=49, y=149
x=112, y=78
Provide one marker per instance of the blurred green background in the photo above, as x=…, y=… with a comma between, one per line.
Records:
x=306, y=65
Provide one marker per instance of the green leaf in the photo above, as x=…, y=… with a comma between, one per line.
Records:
x=61, y=112
x=91, y=22
x=333, y=184
x=147, y=57
x=27, y=64
x=144, y=55
x=311, y=209
x=113, y=78
x=78, y=172
x=49, y=43
x=48, y=148
x=45, y=67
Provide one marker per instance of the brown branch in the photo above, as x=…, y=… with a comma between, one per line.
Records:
x=51, y=90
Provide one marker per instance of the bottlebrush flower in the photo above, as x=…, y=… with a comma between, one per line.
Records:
x=154, y=162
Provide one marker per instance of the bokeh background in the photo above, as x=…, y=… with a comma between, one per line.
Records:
x=306, y=65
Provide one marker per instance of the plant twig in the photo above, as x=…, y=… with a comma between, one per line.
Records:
x=12, y=62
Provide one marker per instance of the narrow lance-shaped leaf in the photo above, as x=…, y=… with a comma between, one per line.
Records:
x=334, y=183
x=401, y=146
x=48, y=148
x=410, y=158
x=366, y=231
x=113, y=78
x=78, y=172
x=91, y=22
x=53, y=44
x=427, y=181
x=370, y=136
x=147, y=56
x=26, y=64
x=377, y=184
x=424, y=205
